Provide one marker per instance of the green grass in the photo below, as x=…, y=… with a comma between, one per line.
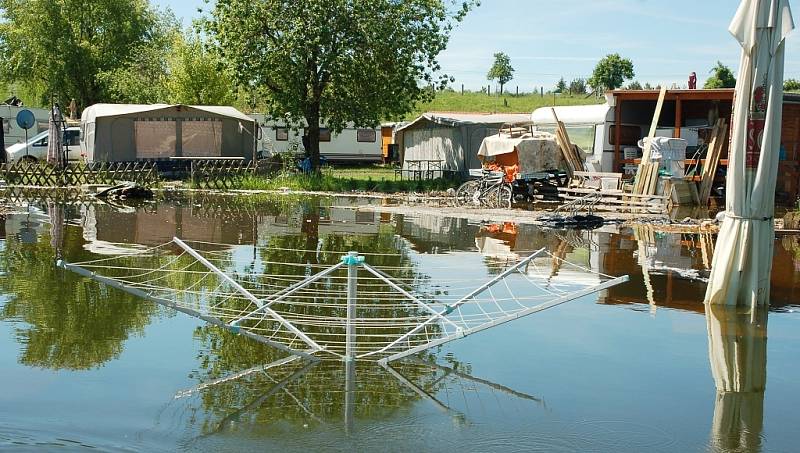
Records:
x=454, y=101
x=367, y=179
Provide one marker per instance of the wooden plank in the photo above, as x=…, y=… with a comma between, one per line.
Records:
x=654, y=125
x=643, y=182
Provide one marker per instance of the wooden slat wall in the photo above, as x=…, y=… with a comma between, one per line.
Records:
x=789, y=170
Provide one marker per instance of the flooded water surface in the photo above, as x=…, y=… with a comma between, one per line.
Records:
x=642, y=366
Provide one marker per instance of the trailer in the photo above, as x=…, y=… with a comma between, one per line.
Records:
x=14, y=134
x=353, y=144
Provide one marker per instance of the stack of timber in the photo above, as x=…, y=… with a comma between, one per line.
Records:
x=647, y=174
x=571, y=155
x=713, y=155
x=609, y=194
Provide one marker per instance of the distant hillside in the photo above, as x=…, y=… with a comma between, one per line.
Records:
x=452, y=101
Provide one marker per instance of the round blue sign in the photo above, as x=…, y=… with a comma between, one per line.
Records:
x=25, y=119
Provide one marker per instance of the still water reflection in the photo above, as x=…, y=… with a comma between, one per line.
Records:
x=640, y=366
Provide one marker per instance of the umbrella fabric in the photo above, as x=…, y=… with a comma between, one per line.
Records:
x=743, y=260
x=54, y=153
x=737, y=351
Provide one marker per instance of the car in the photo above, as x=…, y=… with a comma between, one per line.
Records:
x=36, y=148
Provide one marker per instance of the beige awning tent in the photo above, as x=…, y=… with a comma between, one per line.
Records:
x=129, y=132
x=737, y=351
x=743, y=260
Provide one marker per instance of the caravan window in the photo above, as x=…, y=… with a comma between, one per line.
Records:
x=366, y=135
x=581, y=135
x=324, y=134
x=629, y=135
x=281, y=134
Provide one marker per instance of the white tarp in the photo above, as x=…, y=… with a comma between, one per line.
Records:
x=537, y=151
x=743, y=260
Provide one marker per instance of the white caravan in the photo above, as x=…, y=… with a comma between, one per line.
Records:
x=592, y=128
x=351, y=145
x=14, y=134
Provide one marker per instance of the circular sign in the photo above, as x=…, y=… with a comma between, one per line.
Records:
x=25, y=119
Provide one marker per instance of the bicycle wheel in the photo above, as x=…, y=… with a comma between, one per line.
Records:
x=504, y=196
x=499, y=197
x=465, y=194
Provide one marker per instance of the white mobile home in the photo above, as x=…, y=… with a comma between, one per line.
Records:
x=353, y=144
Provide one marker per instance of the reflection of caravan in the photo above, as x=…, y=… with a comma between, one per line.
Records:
x=351, y=145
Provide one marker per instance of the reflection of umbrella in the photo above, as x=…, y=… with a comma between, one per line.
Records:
x=737, y=350
x=741, y=269
x=54, y=154
x=56, y=213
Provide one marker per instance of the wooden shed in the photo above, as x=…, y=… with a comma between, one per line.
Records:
x=695, y=111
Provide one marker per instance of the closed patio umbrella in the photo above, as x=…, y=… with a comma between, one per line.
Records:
x=743, y=259
x=54, y=152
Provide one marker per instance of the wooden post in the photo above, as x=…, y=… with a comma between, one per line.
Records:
x=617, y=133
x=678, y=118
x=517, y=90
x=541, y=91
x=462, y=89
x=489, y=89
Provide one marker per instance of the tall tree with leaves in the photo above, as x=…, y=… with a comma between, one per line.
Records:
x=722, y=77
x=335, y=61
x=181, y=70
x=610, y=73
x=577, y=86
x=561, y=85
x=61, y=46
x=501, y=70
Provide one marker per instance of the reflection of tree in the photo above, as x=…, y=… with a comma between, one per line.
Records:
x=71, y=323
x=319, y=391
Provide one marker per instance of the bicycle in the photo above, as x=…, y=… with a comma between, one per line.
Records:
x=490, y=190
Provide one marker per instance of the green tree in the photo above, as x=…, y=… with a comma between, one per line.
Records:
x=501, y=70
x=791, y=85
x=335, y=61
x=196, y=74
x=61, y=46
x=635, y=85
x=610, y=73
x=722, y=77
x=577, y=86
x=180, y=70
x=561, y=86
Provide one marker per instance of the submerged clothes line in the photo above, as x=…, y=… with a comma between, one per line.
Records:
x=350, y=310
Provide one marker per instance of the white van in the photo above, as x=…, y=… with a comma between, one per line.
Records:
x=36, y=148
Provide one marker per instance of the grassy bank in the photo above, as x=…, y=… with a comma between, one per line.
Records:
x=366, y=179
x=454, y=101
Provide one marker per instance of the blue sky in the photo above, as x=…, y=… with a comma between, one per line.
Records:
x=546, y=39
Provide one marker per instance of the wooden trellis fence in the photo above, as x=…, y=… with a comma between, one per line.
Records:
x=42, y=174
x=222, y=174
